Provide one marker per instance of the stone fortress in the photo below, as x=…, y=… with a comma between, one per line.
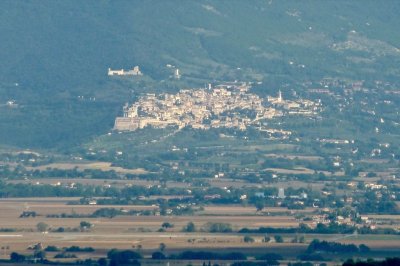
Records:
x=121, y=72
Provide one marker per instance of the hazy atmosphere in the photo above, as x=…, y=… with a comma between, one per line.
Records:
x=209, y=132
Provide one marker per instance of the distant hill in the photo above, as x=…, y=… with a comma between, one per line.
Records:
x=54, y=51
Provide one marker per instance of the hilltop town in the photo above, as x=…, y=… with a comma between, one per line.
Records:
x=229, y=105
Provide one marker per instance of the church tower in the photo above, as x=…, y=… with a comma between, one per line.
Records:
x=280, y=97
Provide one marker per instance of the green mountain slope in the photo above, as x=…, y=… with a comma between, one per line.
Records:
x=54, y=51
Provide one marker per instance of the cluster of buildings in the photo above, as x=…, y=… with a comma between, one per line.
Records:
x=11, y=103
x=299, y=107
x=329, y=218
x=228, y=105
x=135, y=71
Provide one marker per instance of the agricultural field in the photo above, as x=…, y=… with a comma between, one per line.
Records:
x=220, y=201
x=145, y=234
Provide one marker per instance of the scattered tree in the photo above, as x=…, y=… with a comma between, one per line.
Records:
x=248, y=239
x=278, y=239
x=42, y=227
x=162, y=247
x=167, y=225
x=85, y=225
x=16, y=257
x=190, y=227
x=259, y=205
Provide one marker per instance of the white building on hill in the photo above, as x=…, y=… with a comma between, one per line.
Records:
x=121, y=72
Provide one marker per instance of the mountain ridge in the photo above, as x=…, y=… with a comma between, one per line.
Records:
x=56, y=51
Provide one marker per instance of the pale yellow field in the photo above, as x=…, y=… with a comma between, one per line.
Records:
x=123, y=231
x=104, y=166
x=127, y=232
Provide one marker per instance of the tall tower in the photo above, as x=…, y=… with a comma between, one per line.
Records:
x=280, y=97
x=125, y=110
x=133, y=111
x=177, y=75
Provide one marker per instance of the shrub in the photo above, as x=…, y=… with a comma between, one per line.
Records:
x=333, y=247
x=310, y=257
x=85, y=225
x=278, y=239
x=42, y=227
x=123, y=256
x=218, y=227
x=248, y=239
x=364, y=248
x=102, y=262
x=190, y=227
x=64, y=255
x=51, y=249
x=158, y=256
x=167, y=225
x=79, y=249
x=16, y=257
x=60, y=230
x=206, y=255
x=271, y=256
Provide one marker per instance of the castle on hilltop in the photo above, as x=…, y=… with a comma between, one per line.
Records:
x=121, y=72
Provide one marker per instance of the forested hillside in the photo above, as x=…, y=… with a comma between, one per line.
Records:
x=54, y=52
